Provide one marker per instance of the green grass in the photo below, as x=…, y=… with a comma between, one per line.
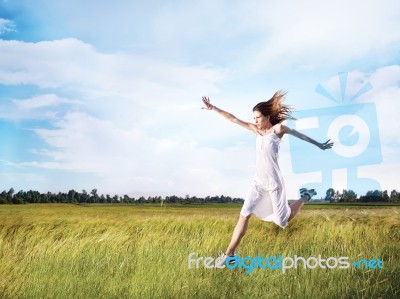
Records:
x=70, y=251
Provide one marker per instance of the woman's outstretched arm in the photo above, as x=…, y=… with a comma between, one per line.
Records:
x=325, y=145
x=228, y=116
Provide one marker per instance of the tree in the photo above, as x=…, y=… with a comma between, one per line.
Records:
x=44, y=198
x=336, y=197
x=126, y=199
x=32, y=196
x=3, y=198
x=62, y=197
x=377, y=193
x=330, y=193
x=141, y=199
x=351, y=196
x=10, y=194
x=372, y=196
x=18, y=198
x=71, y=196
x=102, y=199
x=84, y=197
x=94, y=198
x=394, y=196
x=385, y=196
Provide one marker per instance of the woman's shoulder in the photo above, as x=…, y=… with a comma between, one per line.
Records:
x=280, y=129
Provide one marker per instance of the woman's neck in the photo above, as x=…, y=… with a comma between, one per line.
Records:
x=267, y=128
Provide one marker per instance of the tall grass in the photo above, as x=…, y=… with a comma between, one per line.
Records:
x=67, y=251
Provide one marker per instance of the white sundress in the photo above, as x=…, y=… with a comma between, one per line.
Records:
x=266, y=197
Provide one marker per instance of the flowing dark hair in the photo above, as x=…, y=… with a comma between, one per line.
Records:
x=277, y=111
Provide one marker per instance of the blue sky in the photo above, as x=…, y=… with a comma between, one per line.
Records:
x=107, y=95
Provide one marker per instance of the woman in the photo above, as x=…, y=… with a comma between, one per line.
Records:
x=266, y=197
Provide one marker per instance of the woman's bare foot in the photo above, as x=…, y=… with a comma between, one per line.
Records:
x=295, y=208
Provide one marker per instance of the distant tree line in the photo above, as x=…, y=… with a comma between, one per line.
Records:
x=371, y=196
x=21, y=197
x=75, y=197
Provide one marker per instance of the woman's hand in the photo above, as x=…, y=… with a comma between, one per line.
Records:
x=208, y=105
x=326, y=145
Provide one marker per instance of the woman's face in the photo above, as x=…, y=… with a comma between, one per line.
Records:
x=261, y=121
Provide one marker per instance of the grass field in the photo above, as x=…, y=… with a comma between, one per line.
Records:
x=71, y=251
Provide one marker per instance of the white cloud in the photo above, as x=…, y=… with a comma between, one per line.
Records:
x=117, y=86
x=6, y=26
x=128, y=94
x=40, y=107
x=120, y=97
x=278, y=33
x=245, y=35
x=12, y=178
x=41, y=101
x=130, y=161
x=332, y=33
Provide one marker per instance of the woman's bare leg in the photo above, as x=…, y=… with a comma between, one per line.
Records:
x=295, y=207
x=243, y=223
x=238, y=234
